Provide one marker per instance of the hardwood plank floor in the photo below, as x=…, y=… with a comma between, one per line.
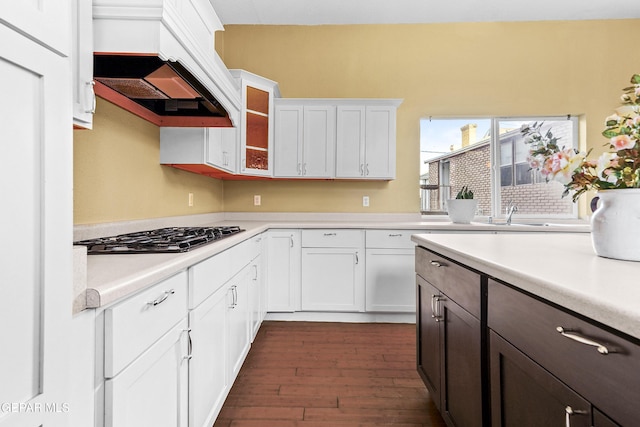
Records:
x=314, y=374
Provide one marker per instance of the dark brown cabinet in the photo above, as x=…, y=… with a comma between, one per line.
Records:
x=525, y=395
x=450, y=339
x=578, y=365
x=491, y=354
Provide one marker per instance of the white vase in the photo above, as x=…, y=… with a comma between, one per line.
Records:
x=615, y=224
x=461, y=211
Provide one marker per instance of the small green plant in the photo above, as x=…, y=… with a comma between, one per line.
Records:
x=464, y=193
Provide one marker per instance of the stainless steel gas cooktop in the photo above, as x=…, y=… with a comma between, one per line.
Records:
x=162, y=240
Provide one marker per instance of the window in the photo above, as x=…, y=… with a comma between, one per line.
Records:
x=461, y=151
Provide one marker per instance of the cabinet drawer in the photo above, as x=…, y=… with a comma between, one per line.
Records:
x=133, y=325
x=455, y=281
x=611, y=382
x=330, y=238
x=390, y=239
x=208, y=276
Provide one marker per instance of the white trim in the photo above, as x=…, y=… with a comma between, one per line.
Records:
x=313, y=316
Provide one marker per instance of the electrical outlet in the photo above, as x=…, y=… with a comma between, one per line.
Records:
x=257, y=200
x=190, y=199
x=365, y=201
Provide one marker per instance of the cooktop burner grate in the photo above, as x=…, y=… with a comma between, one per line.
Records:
x=162, y=240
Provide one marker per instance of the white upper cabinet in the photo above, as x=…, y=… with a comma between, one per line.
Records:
x=304, y=140
x=366, y=140
x=41, y=21
x=84, y=98
x=256, y=123
x=201, y=150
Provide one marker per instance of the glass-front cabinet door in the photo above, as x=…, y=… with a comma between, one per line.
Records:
x=257, y=125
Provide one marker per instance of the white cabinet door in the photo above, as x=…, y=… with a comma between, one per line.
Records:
x=390, y=280
x=332, y=279
x=238, y=316
x=47, y=22
x=208, y=385
x=288, y=141
x=283, y=270
x=256, y=123
x=35, y=297
x=84, y=98
x=256, y=295
x=380, y=142
x=350, y=136
x=319, y=141
x=152, y=391
x=221, y=148
x=366, y=141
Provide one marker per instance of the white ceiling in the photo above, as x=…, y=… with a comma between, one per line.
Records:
x=320, y=12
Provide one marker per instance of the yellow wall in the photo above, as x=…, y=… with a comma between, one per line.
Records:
x=117, y=175
x=473, y=69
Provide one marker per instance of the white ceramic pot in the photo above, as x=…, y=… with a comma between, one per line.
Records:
x=461, y=211
x=615, y=224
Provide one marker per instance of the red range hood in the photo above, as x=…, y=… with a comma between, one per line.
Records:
x=162, y=92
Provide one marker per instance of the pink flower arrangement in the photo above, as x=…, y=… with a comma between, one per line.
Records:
x=617, y=168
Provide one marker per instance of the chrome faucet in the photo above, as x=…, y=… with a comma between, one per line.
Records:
x=511, y=210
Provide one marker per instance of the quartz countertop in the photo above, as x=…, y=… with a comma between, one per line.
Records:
x=111, y=277
x=559, y=267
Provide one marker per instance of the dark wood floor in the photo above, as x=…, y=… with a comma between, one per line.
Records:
x=312, y=374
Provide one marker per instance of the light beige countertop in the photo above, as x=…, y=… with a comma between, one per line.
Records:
x=561, y=268
x=111, y=277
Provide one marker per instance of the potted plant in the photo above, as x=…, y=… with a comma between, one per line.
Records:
x=462, y=209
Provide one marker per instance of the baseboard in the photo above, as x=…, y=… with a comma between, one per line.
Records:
x=309, y=316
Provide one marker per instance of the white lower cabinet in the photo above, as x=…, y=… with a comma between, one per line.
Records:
x=146, y=352
x=333, y=270
x=153, y=389
x=257, y=293
x=220, y=327
x=238, y=341
x=283, y=270
x=390, y=280
x=390, y=275
x=208, y=382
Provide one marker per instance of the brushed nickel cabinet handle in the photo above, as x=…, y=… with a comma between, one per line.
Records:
x=436, y=263
x=568, y=412
x=161, y=298
x=435, y=309
x=602, y=349
x=189, y=345
x=395, y=235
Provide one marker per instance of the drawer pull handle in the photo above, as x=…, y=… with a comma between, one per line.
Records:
x=395, y=235
x=436, y=263
x=161, y=298
x=567, y=333
x=329, y=234
x=568, y=411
